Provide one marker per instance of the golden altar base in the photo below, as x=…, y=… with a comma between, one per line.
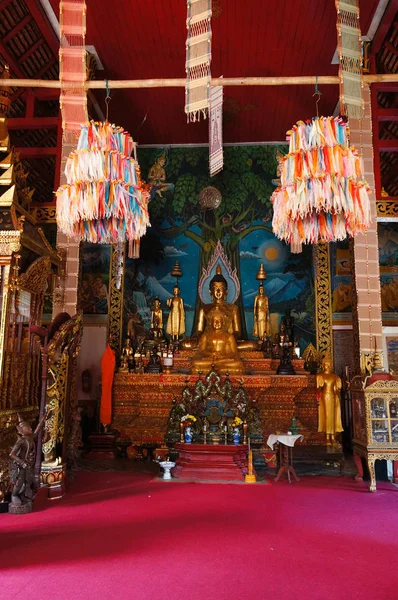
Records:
x=142, y=402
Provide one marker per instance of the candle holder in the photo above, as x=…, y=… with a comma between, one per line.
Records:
x=182, y=432
x=225, y=435
x=250, y=477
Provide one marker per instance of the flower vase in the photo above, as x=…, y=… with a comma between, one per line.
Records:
x=236, y=435
x=188, y=435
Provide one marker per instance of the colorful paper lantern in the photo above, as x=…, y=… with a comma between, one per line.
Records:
x=323, y=196
x=104, y=200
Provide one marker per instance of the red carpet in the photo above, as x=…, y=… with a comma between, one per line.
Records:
x=321, y=538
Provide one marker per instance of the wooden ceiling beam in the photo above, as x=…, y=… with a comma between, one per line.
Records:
x=32, y=153
x=388, y=145
x=33, y=123
x=20, y=25
x=386, y=114
x=31, y=50
x=226, y=82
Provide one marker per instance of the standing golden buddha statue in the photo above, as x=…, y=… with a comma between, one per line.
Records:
x=176, y=321
x=156, y=329
x=329, y=385
x=261, y=327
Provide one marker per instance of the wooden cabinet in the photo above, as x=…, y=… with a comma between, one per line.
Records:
x=375, y=419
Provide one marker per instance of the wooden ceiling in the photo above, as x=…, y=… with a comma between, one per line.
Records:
x=142, y=40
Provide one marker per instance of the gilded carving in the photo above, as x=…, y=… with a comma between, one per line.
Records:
x=115, y=323
x=34, y=279
x=45, y=214
x=323, y=300
x=386, y=208
x=10, y=241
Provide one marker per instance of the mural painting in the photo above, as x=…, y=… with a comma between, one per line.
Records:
x=184, y=230
x=388, y=260
x=94, y=288
x=392, y=354
x=340, y=259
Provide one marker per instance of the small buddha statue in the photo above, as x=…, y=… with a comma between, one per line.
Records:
x=218, y=348
x=261, y=327
x=176, y=321
x=154, y=365
x=329, y=413
x=156, y=330
x=127, y=357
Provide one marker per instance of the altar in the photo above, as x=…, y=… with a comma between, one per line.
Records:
x=142, y=402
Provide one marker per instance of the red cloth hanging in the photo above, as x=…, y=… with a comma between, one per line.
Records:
x=108, y=363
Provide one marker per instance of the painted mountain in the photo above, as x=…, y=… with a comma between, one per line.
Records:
x=277, y=290
x=389, y=252
x=153, y=288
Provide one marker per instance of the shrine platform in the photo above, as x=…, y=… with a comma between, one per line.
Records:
x=142, y=402
x=201, y=462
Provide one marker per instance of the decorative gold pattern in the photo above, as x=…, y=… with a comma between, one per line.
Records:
x=45, y=214
x=10, y=241
x=387, y=208
x=55, y=407
x=323, y=301
x=116, y=288
x=34, y=279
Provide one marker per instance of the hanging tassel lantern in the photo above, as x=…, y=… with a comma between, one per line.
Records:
x=104, y=200
x=323, y=196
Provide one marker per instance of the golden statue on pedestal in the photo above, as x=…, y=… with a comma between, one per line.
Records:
x=261, y=327
x=156, y=329
x=329, y=402
x=176, y=321
x=219, y=325
x=217, y=347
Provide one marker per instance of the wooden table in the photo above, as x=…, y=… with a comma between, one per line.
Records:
x=286, y=444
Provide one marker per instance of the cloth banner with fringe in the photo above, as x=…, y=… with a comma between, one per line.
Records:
x=72, y=56
x=216, y=157
x=350, y=54
x=323, y=196
x=198, y=59
x=104, y=200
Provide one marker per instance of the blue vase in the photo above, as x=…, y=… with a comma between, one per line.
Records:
x=188, y=435
x=236, y=436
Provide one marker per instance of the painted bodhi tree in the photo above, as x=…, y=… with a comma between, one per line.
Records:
x=245, y=184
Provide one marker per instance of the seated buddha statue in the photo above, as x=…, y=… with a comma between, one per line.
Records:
x=217, y=347
x=224, y=351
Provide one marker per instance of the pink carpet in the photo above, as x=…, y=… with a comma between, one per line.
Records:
x=119, y=535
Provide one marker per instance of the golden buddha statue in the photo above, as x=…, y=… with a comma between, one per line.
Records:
x=217, y=347
x=126, y=356
x=176, y=321
x=329, y=402
x=261, y=327
x=217, y=344
x=218, y=293
x=156, y=329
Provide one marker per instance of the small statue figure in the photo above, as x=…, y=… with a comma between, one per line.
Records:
x=261, y=327
x=156, y=320
x=154, y=365
x=329, y=414
x=267, y=347
x=176, y=321
x=285, y=352
x=23, y=456
x=288, y=322
x=127, y=358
